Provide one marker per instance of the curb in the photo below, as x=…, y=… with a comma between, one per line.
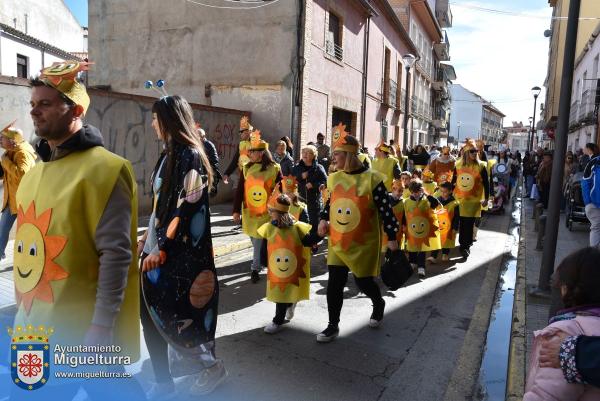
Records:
x=515, y=384
x=229, y=248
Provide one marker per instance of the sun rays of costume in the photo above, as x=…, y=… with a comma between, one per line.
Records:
x=61, y=204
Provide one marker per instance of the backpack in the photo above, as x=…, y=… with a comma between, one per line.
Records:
x=590, y=185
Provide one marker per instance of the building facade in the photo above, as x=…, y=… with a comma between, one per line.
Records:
x=583, y=120
x=299, y=66
x=558, y=33
x=33, y=35
x=474, y=117
x=517, y=136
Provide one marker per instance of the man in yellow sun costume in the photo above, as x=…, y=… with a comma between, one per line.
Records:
x=257, y=181
x=288, y=277
x=75, y=256
x=386, y=165
x=421, y=225
x=357, y=208
x=471, y=190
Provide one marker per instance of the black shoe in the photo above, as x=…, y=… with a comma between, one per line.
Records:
x=315, y=249
x=328, y=335
x=465, y=253
x=377, y=315
x=254, y=276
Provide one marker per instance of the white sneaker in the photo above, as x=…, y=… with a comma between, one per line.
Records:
x=421, y=272
x=475, y=230
x=209, y=379
x=445, y=258
x=413, y=265
x=289, y=313
x=432, y=260
x=273, y=328
x=161, y=391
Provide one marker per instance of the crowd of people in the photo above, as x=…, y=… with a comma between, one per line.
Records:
x=423, y=203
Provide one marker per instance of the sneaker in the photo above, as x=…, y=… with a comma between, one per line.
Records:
x=377, y=315
x=413, y=265
x=421, y=272
x=273, y=328
x=328, y=335
x=432, y=260
x=475, y=230
x=289, y=313
x=465, y=253
x=254, y=276
x=161, y=391
x=209, y=379
x=445, y=258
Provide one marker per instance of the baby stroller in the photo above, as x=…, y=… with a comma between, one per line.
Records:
x=499, y=197
x=575, y=208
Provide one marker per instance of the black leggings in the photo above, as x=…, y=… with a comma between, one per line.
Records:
x=445, y=251
x=417, y=258
x=338, y=276
x=465, y=232
x=156, y=344
x=280, y=309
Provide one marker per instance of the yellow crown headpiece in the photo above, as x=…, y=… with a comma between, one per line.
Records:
x=289, y=184
x=274, y=204
x=256, y=143
x=428, y=174
x=383, y=147
x=62, y=76
x=30, y=333
x=245, y=124
x=339, y=136
x=469, y=144
x=12, y=133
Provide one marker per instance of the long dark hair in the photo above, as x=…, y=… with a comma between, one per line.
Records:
x=266, y=161
x=580, y=274
x=176, y=122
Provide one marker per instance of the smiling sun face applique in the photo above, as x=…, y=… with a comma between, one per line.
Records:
x=421, y=227
x=445, y=222
x=468, y=182
x=349, y=216
x=35, y=251
x=256, y=196
x=286, y=263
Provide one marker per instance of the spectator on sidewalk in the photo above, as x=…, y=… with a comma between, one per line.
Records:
x=419, y=158
x=282, y=157
x=543, y=177
x=591, y=193
x=528, y=172
x=577, y=356
x=323, y=151
x=177, y=248
x=19, y=157
x=213, y=157
x=578, y=279
x=289, y=146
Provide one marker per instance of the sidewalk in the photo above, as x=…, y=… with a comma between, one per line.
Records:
x=530, y=313
x=225, y=241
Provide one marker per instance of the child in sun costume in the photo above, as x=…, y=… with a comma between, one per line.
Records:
x=67, y=272
x=181, y=293
x=429, y=185
x=357, y=208
x=386, y=165
x=448, y=219
x=405, y=178
x=422, y=227
x=257, y=182
x=288, y=277
x=298, y=210
x=471, y=189
x=241, y=158
x=398, y=207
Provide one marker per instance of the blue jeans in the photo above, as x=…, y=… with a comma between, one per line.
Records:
x=529, y=180
x=6, y=222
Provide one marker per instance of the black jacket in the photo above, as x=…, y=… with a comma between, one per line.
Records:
x=316, y=176
x=87, y=137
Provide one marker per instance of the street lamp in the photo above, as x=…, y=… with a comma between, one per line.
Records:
x=458, y=139
x=530, y=128
x=409, y=60
x=536, y=92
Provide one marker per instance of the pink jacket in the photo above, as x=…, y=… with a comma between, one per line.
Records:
x=549, y=384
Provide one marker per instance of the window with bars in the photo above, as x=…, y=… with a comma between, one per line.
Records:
x=333, y=42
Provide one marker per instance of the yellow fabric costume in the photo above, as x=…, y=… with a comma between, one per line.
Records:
x=354, y=232
x=60, y=204
x=258, y=186
x=288, y=278
x=445, y=216
x=385, y=166
x=469, y=189
x=422, y=226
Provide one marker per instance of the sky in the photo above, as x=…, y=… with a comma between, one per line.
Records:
x=501, y=57
x=79, y=8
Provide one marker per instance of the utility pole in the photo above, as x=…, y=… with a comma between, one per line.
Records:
x=562, y=132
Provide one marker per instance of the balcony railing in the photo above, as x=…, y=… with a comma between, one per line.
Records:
x=334, y=50
x=586, y=109
x=443, y=13
x=442, y=49
x=574, y=113
x=393, y=96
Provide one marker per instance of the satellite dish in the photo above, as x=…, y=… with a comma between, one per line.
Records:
x=548, y=33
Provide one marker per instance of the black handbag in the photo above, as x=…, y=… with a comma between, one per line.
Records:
x=396, y=269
